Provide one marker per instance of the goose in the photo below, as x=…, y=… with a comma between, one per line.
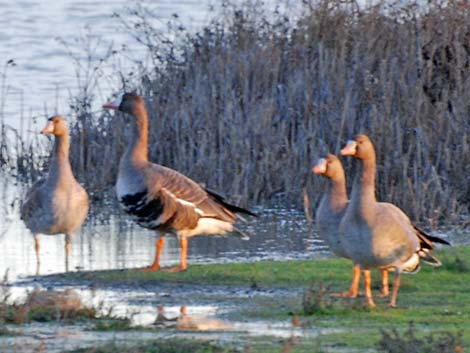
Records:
x=328, y=216
x=379, y=234
x=56, y=204
x=162, y=199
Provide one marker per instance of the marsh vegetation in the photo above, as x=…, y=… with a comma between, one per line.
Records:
x=246, y=104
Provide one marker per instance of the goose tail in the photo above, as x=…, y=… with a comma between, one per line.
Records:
x=427, y=240
x=236, y=209
x=429, y=258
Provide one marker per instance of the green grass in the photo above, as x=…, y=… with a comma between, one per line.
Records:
x=435, y=300
x=264, y=273
x=161, y=346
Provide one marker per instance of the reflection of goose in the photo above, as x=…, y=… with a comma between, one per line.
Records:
x=162, y=320
x=329, y=214
x=162, y=199
x=188, y=322
x=58, y=203
x=379, y=234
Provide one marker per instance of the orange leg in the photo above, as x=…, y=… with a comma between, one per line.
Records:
x=155, y=266
x=396, y=285
x=384, y=291
x=36, y=249
x=354, y=289
x=367, y=285
x=184, y=253
x=67, y=252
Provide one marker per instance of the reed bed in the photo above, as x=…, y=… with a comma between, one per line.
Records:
x=248, y=103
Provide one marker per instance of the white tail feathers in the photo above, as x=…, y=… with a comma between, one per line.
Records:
x=429, y=258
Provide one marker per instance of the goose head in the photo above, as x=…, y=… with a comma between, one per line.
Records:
x=361, y=148
x=125, y=102
x=56, y=125
x=330, y=167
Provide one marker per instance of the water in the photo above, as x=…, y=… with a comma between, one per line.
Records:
x=44, y=76
x=114, y=242
x=47, y=43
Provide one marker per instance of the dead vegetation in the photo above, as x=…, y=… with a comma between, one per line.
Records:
x=45, y=306
x=411, y=341
x=248, y=103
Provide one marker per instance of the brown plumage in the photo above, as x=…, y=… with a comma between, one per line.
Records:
x=58, y=203
x=379, y=234
x=329, y=214
x=163, y=199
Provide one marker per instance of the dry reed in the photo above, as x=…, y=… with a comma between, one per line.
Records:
x=247, y=104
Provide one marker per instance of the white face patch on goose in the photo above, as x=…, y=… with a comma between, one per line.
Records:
x=116, y=103
x=119, y=98
x=320, y=167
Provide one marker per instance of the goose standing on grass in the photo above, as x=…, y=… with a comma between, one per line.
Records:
x=329, y=214
x=379, y=234
x=58, y=203
x=162, y=199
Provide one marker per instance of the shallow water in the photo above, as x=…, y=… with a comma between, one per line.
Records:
x=44, y=76
x=115, y=242
x=210, y=313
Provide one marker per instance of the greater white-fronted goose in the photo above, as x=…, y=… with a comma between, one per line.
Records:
x=329, y=214
x=379, y=234
x=162, y=199
x=57, y=203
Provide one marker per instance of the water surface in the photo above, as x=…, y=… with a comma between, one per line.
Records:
x=45, y=75
x=115, y=242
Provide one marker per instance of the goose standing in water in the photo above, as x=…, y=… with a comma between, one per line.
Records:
x=162, y=199
x=58, y=203
x=379, y=234
x=329, y=214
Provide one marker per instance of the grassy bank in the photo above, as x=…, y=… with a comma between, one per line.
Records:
x=268, y=273
x=161, y=346
x=250, y=101
x=436, y=300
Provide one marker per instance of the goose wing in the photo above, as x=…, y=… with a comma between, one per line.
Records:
x=184, y=201
x=32, y=200
x=36, y=211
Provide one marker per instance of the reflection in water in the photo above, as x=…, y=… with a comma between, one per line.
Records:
x=114, y=242
x=174, y=309
x=192, y=322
